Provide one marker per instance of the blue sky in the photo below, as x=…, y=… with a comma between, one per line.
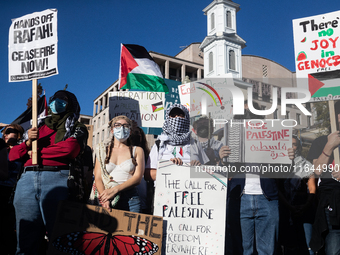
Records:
x=90, y=33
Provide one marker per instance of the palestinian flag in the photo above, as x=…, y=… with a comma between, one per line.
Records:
x=25, y=118
x=138, y=71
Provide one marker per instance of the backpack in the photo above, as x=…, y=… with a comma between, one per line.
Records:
x=80, y=178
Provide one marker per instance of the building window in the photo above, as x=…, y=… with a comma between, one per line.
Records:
x=94, y=125
x=212, y=21
x=99, y=122
x=264, y=71
x=275, y=114
x=256, y=89
x=298, y=118
x=309, y=121
x=211, y=62
x=97, y=138
x=232, y=65
x=287, y=115
x=266, y=91
x=102, y=136
x=104, y=119
x=229, y=19
x=279, y=95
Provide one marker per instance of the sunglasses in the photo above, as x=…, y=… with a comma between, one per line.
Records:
x=11, y=130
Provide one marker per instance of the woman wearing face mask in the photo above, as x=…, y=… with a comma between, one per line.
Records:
x=10, y=135
x=119, y=168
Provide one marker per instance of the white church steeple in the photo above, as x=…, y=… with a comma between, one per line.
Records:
x=222, y=46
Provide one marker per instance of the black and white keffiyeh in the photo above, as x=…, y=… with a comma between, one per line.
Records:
x=176, y=131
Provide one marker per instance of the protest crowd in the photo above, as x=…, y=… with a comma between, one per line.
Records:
x=297, y=214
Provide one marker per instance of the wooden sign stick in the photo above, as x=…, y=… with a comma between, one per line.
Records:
x=334, y=119
x=35, y=119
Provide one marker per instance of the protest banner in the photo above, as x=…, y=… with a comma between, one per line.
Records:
x=87, y=229
x=146, y=108
x=317, y=45
x=33, y=46
x=193, y=209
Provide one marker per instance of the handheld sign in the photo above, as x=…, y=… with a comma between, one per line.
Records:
x=87, y=229
x=193, y=209
x=33, y=46
x=317, y=45
x=32, y=54
x=146, y=108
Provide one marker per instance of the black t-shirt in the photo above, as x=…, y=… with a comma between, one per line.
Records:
x=314, y=152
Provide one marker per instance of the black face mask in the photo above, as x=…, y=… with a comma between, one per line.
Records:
x=12, y=141
x=203, y=132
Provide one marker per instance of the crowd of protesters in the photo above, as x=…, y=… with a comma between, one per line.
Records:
x=298, y=214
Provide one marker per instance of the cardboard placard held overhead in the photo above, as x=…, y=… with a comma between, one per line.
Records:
x=87, y=229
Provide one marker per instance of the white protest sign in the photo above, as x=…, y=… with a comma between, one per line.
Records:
x=193, y=210
x=317, y=45
x=267, y=142
x=33, y=46
x=146, y=108
x=207, y=96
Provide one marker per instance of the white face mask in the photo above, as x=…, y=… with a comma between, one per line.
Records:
x=121, y=133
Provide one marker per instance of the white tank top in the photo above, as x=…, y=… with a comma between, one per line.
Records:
x=122, y=172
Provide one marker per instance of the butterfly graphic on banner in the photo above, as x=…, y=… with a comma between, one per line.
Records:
x=91, y=243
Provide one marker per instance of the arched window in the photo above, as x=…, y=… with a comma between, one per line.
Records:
x=212, y=21
x=211, y=61
x=232, y=65
x=229, y=19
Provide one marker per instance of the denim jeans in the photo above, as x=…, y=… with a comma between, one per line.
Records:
x=129, y=201
x=308, y=235
x=259, y=218
x=332, y=240
x=36, y=201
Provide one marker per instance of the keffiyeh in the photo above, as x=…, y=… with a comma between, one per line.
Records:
x=176, y=131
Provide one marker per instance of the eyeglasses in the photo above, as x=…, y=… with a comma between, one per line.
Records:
x=11, y=130
x=118, y=125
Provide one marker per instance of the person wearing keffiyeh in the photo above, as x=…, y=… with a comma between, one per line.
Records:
x=174, y=142
x=60, y=138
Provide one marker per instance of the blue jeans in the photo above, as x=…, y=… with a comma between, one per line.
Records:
x=259, y=220
x=129, y=201
x=36, y=201
x=332, y=240
x=308, y=235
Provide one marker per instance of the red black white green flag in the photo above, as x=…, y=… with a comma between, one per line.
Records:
x=138, y=70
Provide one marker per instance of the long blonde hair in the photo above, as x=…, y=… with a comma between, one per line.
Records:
x=111, y=144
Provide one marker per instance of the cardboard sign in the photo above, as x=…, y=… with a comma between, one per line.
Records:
x=317, y=45
x=83, y=229
x=259, y=141
x=33, y=46
x=146, y=108
x=193, y=209
x=207, y=96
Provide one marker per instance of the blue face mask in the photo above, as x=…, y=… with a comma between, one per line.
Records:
x=121, y=133
x=58, y=106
